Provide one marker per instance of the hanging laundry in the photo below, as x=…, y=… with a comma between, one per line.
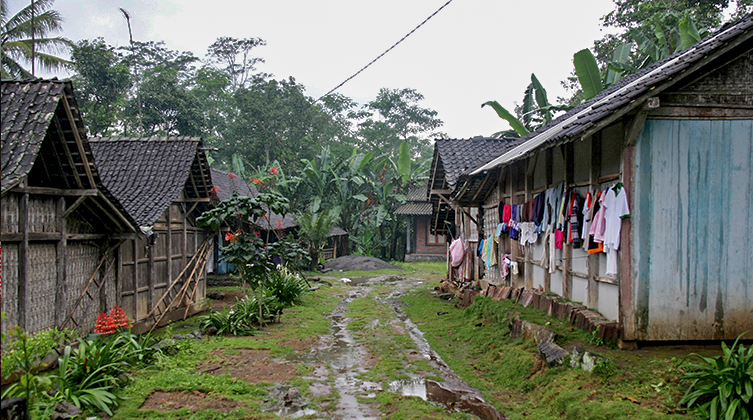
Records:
x=505, y=265
x=585, y=214
x=575, y=220
x=616, y=209
x=457, y=252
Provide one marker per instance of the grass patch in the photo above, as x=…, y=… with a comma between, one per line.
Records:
x=476, y=344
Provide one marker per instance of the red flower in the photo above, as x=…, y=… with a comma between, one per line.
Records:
x=258, y=235
x=119, y=318
x=278, y=225
x=257, y=181
x=232, y=176
x=273, y=170
x=229, y=236
x=215, y=190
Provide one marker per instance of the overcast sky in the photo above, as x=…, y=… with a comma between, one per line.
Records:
x=471, y=52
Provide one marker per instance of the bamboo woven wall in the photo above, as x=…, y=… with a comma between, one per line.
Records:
x=10, y=285
x=40, y=314
x=9, y=216
x=81, y=259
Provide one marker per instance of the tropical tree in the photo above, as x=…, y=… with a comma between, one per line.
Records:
x=394, y=117
x=22, y=42
x=102, y=81
x=315, y=228
x=535, y=112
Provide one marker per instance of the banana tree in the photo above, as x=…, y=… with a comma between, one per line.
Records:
x=536, y=111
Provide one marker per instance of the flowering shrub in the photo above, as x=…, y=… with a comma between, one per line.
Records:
x=109, y=323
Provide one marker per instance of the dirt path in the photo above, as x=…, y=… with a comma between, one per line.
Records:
x=351, y=360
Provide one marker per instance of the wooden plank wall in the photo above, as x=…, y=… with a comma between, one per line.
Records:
x=147, y=269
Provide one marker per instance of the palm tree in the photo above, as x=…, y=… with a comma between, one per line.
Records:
x=20, y=41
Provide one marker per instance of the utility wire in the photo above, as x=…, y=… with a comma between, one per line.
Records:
x=382, y=54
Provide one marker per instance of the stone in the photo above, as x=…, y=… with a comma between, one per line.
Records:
x=65, y=410
x=178, y=337
x=210, y=331
x=216, y=295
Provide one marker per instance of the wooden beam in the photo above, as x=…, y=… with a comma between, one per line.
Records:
x=481, y=187
x=120, y=216
x=548, y=164
x=73, y=206
x=30, y=236
x=634, y=128
x=61, y=250
x=152, y=274
x=441, y=192
x=24, y=263
x=79, y=142
x=195, y=200
x=55, y=191
x=67, y=151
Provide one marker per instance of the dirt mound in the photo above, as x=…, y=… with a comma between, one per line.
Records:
x=359, y=263
x=194, y=401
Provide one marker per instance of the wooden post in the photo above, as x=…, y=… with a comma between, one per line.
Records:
x=103, y=304
x=567, y=250
x=593, y=259
x=548, y=162
x=152, y=273
x=528, y=273
x=407, y=237
x=626, y=244
x=119, y=277
x=24, y=265
x=185, y=237
x=135, y=280
x=60, y=286
x=169, y=251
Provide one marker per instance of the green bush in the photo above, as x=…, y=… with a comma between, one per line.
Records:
x=722, y=386
x=243, y=317
x=287, y=286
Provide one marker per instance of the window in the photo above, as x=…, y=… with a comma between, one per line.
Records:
x=435, y=239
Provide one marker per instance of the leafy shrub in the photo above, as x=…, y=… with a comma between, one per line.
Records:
x=287, y=286
x=243, y=317
x=722, y=386
x=22, y=357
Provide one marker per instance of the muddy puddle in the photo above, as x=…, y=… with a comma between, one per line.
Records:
x=348, y=360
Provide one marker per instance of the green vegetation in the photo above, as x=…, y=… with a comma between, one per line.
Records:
x=722, y=386
x=476, y=344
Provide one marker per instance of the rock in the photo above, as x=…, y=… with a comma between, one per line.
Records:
x=65, y=410
x=167, y=347
x=584, y=359
x=210, y=331
x=196, y=334
x=13, y=408
x=216, y=295
x=178, y=337
x=552, y=353
x=313, y=288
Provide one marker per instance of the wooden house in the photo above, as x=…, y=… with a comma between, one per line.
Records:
x=421, y=243
x=163, y=184
x=60, y=228
x=452, y=158
x=678, y=136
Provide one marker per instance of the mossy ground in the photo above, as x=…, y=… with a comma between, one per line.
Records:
x=474, y=342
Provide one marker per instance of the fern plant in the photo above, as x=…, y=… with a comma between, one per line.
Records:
x=722, y=386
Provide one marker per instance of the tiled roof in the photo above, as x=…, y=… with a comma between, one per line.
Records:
x=630, y=92
x=420, y=209
x=146, y=174
x=27, y=109
x=418, y=202
x=270, y=222
x=418, y=193
x=459, y=155
x=228, y=185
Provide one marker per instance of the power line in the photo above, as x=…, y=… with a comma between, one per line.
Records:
x=385, y=52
